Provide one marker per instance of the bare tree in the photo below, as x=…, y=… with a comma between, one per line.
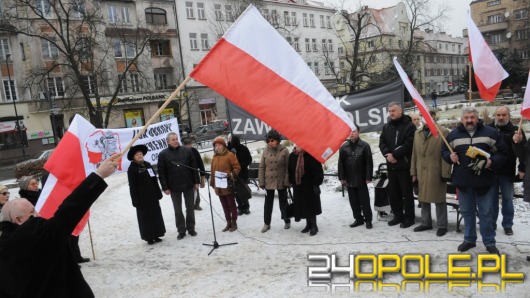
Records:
x=79, y=49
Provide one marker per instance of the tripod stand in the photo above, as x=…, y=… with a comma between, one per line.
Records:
x=214, y=244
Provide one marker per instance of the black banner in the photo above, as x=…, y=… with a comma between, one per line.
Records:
x=367, y=108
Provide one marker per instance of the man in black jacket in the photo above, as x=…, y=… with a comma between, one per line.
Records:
x=245, y=159
x=178, y=177
x=504, y=176
x=355, y=171
x=35, y=255
x=189, y=143
x=395, y=143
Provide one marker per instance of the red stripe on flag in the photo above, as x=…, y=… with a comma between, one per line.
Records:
x=255, y=88
x=66, y=162
x=488, y=94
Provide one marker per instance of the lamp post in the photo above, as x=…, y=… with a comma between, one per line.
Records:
x=17, y=124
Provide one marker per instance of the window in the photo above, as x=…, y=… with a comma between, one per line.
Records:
x=22, y=50
x=453, y=47
x=332, y=66
x=200, y=11
x=497, y=18
x=307, y=45
x=204, y=42
x=189, y=10
x=400, y=44
x=84, y=48
x=326, y=68
x=341, y=50
x=294, y=21
x=131, y=85
x=10, y=90
x=373, y=59
x=193, y=41
x=317, y=70
x=324, y=45
x=310, y=65
x=117, y=48
x=265, y=13
x=49, y=50
x=495, y=38
x=312, y=20
x=56, y=87
x=89, y=82
x=160, y=48
x=162, y=79
x=521, y=34
x=228, y=13
x=520, y=14
x=286, y=18
x=493, y=3
x=304, y=19
x=130, y=49
x=123, y=84
x=118, y=14
x=296, y=44
x=314, y=43
x=523, y=54
x=274, y=15
x=371, y=44
x=322, y=22
x=78, y=10
x=218, y=12
x=330, y=45
x=390, y=42
x=155, y=16
x=328, y=22
x=43, y=8
x=289, y=40
x=4, y=48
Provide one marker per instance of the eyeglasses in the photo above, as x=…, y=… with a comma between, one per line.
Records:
x=4, y=193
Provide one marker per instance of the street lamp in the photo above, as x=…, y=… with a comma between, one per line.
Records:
x=17, y=124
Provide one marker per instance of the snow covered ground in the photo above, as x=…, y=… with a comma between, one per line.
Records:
x=274, y=264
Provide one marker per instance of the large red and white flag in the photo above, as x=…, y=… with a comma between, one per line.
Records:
x=83, y=148
x=525, y=108
x=488, y=71
x=418, y=100
x=256, y=68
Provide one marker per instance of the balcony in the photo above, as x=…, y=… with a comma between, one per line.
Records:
x=493, y=27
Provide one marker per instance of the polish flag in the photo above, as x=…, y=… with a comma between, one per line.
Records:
x=67, y=170
x=525, y=109
x=418, y=100
x=255, y=67
x=488, y=71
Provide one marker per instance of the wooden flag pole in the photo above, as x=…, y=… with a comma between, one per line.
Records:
x=445, y=140
x=154, y=117
x=470, y=93
x=91, y=242
x=520, y=124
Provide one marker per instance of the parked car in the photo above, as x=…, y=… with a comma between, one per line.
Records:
x=210, y=131
x=34, y=166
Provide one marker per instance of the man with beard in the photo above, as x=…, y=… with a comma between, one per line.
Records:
x=395, y=144
x=504, y=176
x=474, y=176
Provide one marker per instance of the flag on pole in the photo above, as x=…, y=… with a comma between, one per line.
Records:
x=525, y=108
x=418, y=100
x=488, y=71
x=67, y=170
x=255, y=67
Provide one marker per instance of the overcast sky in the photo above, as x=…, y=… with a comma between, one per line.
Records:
x=456, y=18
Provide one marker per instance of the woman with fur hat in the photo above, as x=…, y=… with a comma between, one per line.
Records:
x=145, y=193
x=273, y=176
x=226, y=162
x=4, y=195
x=29, y=189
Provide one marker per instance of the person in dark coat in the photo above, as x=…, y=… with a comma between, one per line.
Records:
x=306, y=175
x=521, y=148
x=35, y=257
x=395, y=144
x=145, y=193
x=355, y=171
x=189, y=143
x=245, y=159
x=177, y=170
x=29, y=189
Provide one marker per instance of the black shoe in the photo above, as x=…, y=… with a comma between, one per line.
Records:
x=192, y=233
x=405, y=224
x=465, y=246
x=369, y=225
x=180, y=236
x=313, y=231
x=158, y=239
x=508, y=231
x=306, y=229
x=150, y=242
x=247, y=212
x=421, y=228
x=394, y=221
x=83, y=260
x=198, y=208
x=357, y=223
x=239, y=212
x=493, y=250
x=441, y=232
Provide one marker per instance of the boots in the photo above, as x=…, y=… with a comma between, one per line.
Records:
x=314, y=228
x=234, y=226
x=307, y=226
x=228, y=225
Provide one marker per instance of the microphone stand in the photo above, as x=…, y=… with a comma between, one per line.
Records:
x=214, y=244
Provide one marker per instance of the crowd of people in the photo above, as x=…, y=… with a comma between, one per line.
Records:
x=479, y=159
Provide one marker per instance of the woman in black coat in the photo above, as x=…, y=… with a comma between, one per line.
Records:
x=145, y=193
x=306, y=175
x=29, y=189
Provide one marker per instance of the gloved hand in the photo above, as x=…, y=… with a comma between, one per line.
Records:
x=478, y=164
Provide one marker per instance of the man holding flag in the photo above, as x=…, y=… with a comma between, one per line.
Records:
x=35, y=256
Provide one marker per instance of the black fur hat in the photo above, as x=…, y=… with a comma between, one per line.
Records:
x=273, y=134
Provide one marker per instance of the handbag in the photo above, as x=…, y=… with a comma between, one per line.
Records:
x=289, y=208
x=242, y=190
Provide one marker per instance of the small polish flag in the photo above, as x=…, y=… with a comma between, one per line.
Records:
x=525, y=109
x=256, y=68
